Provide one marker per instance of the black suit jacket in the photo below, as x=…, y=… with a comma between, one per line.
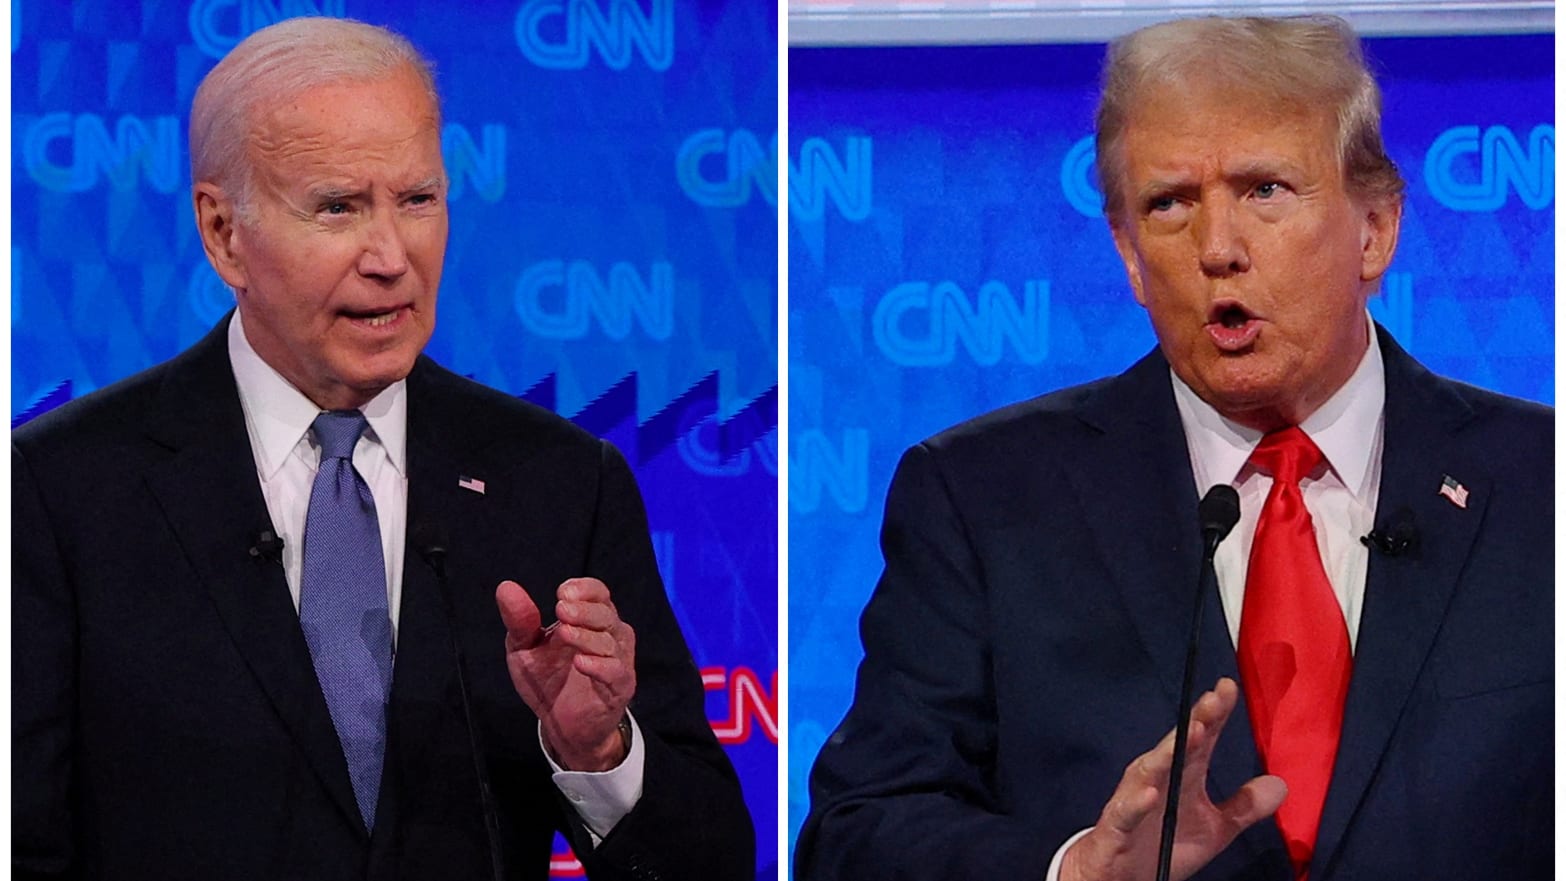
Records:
x=1026, y=643
x=166, y=719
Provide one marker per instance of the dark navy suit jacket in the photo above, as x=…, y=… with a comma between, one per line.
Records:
x=1026, y=640
x=166, y=719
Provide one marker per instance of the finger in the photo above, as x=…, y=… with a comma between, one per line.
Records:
x=519, y=614
x=1216, y=706
x=1131, y=805
x=588, y=615
x=1256, y=800
x=1146, y=779
x=1193, y=776
x=1209, y=715
x=1152, y=767
x=583, y=590
x=612, y=673
x=592, y=642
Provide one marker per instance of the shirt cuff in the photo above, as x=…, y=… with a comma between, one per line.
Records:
x=1054, y=865
x=603, y=798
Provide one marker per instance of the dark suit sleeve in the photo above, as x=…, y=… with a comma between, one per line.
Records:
x=904, y=788
x=43, y=639
x=691, y=821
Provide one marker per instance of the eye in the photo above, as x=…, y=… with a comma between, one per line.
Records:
x=421, y=199
x=1268, y=190
x=1160, y=204
x=336, y=208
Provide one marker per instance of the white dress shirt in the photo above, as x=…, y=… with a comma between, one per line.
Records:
x=278, y=418
x=1340, y=494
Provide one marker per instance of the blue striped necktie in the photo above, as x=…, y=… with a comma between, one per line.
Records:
x=342, y=604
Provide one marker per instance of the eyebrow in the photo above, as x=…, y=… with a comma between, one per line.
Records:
x=1263, y=168
x=331, y=193
x=1251, y=170
x=430, y=183
x=1161, y=186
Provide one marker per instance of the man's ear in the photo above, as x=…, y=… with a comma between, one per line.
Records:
x=1127, y=251
x=216, y=215
x=1378, y=237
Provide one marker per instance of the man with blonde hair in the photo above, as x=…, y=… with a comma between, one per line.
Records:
x=1380, y=649
x=280, y=603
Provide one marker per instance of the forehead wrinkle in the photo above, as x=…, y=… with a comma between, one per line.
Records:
x=290, y=126
x=1184, y=151
x=307, y=144
x=338, y=163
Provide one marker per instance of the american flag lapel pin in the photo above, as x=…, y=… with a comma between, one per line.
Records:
x=471, y=484
x=1455, y=492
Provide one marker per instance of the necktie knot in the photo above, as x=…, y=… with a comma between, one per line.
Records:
x=1288, y=455
x=338, y=431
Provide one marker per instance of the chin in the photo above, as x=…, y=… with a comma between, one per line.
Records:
x=371, y=379
x=1256, y=409
x=1232, y=394
x=1251, y=376
x=381, y=379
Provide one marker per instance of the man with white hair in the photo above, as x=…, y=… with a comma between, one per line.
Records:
x=1381, y=641
x=280, y=603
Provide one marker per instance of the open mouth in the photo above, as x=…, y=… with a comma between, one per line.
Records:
x=374, y=318
x=1233, y=317
x=1231, y=326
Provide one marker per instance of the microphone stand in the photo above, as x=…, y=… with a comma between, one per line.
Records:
x=433, y=549
x=1219, y=511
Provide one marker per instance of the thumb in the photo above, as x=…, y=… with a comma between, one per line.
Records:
x=519, y=614
x=1254, y=801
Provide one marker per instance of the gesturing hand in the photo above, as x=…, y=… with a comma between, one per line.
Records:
x=1124, y=842
x=578, y=675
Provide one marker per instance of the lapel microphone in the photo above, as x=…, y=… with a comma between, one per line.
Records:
x=267, y=545
x=1397, y=536
x=430, y=542
x=1218, y=511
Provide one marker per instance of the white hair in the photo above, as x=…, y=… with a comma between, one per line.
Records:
x=279, y=62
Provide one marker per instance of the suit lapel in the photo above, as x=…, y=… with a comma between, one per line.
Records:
x=439, y=511
x=211, y=499
x=1406, y=596
x=423, y=692
x=1138, y=493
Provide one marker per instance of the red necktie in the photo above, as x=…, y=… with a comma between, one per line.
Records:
x=1294, y=648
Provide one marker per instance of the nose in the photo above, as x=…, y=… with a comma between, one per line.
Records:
x=1220, y=240
x=383, y=255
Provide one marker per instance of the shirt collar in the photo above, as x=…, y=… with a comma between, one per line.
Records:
x=1344, y=428
x=278, y=415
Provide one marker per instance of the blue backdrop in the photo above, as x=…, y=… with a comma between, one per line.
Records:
x=946, y=256
x=603, y=260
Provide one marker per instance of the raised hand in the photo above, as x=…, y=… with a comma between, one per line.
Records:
x=1124, y=842
x=578, y=675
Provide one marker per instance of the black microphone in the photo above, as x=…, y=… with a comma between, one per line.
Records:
x=1218, y=511
x=267, y=545
x=430, y=542
x=1397, y=536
